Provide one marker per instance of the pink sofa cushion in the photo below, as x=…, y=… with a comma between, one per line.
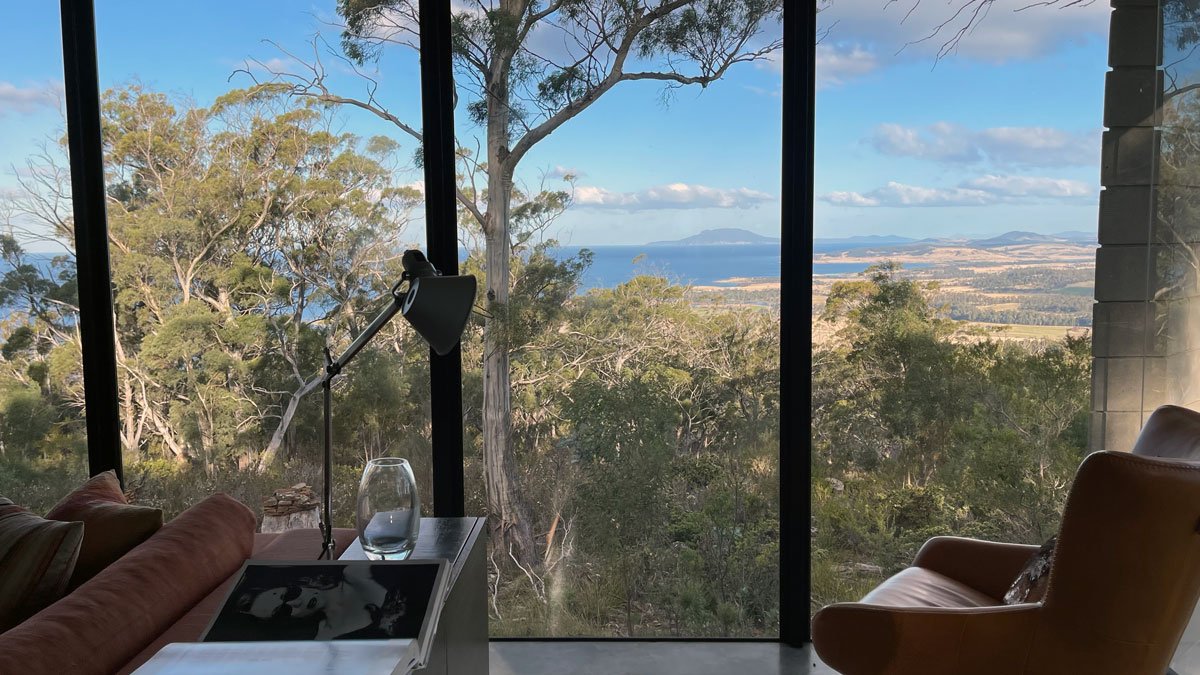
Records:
x=112, y=526
x=108, y=620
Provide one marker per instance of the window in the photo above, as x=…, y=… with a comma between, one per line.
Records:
x=621, y=377
x=43, y=438
x=953, y=281
x=623, y=416
x=253, y=222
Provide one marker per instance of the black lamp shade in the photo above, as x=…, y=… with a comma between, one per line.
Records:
x=438, y=308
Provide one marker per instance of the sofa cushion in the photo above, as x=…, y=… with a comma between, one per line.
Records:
x=112, y=526
x=105, y=622
x=290, y=545
x=37, y=557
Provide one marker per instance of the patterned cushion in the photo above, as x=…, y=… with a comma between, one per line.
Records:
x=1031, y=584
x=37, y=557
x=112, y=526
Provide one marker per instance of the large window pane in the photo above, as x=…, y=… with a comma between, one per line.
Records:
x=252, y=222
x=622, y=389
x=43, y=437
x=958, y=160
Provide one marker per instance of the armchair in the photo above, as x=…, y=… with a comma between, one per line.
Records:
x=1123, y=582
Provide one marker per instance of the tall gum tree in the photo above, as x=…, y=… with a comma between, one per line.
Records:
x=525, y=69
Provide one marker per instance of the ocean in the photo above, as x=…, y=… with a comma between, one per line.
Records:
x=696, y=265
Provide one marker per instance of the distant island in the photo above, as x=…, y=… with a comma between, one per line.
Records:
x=723, y=236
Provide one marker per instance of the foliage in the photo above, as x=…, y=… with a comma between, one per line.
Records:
x=916, y=435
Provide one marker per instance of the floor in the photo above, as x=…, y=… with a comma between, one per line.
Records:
x=652, y=658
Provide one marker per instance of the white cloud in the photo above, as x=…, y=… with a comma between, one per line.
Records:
x=27, y=99
x=982, y=191
x=941, y=142
x=1029, y=186
x=881, y=32
x=1001, y=146
x=671, y=196
x=560, y=172
x=836, y=64
x=1040, y=146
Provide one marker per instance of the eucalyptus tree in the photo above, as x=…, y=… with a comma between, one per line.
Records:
x=244, y=236
x=525, y=68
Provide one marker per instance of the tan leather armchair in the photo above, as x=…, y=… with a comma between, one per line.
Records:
x=1123, y=583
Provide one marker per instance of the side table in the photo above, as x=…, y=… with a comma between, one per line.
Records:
x=461, y=644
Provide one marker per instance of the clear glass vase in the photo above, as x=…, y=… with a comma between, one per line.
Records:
x=389, y=509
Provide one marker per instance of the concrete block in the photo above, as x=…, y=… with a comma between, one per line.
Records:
x=1176, y=213
x=1099, y=382
x=1121, y=430
x=1125, y=213
x=1123, y=384
x=1119, y=328
x=1180, y=379
x=1134, y=36
x=1121, y=274
x=1127, y=157
x=1133, y=97
x=1096, y=432
x=1158, y=384
x=1182, y=328
x=1176, y=271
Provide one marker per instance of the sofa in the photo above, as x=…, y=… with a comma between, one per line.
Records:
x=166, y=589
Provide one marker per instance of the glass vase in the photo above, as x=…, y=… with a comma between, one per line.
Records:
x=389, y=509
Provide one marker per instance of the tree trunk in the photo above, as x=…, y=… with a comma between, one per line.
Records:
x=510, y=528
x=285, y=422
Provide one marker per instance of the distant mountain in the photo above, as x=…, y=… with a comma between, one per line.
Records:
x=1078, y=236
x=723, y=236
x=1017, y=238
x=862, y=242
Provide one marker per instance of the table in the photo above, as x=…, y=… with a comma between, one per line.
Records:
x=461, y=645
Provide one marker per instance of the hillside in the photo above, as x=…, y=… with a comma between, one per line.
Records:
x=723, y=236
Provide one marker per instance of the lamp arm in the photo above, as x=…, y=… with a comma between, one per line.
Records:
x=332, y=368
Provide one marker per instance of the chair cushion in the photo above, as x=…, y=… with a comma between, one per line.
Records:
x=37, y=557
x=112, y=526
x=919, y=587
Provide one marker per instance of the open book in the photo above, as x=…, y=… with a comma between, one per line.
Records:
x=346, y=601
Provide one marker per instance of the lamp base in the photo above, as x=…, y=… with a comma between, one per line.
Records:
x=326, y=551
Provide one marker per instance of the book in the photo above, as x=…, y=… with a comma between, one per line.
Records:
x=339, y=600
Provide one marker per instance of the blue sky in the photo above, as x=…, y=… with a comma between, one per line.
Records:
x=1001, y=134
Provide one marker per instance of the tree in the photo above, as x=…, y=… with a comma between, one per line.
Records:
x=519, y=93
x=245, y=235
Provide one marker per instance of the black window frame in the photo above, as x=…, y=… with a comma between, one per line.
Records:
x=98, y=333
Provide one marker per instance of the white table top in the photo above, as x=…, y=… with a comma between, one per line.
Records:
x=369, y=657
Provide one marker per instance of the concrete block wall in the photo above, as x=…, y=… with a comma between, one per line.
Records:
x=1139, y=359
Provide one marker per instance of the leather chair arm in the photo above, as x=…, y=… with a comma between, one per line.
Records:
x=986, y=566
x=859, y=639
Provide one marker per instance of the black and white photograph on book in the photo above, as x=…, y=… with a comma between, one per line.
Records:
x=346, y=600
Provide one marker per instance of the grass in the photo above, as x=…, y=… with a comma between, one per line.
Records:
x=1023, y=332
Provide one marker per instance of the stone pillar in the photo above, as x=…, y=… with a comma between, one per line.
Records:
x=1130, y=354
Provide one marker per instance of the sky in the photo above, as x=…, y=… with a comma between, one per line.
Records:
x=1001, y=133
